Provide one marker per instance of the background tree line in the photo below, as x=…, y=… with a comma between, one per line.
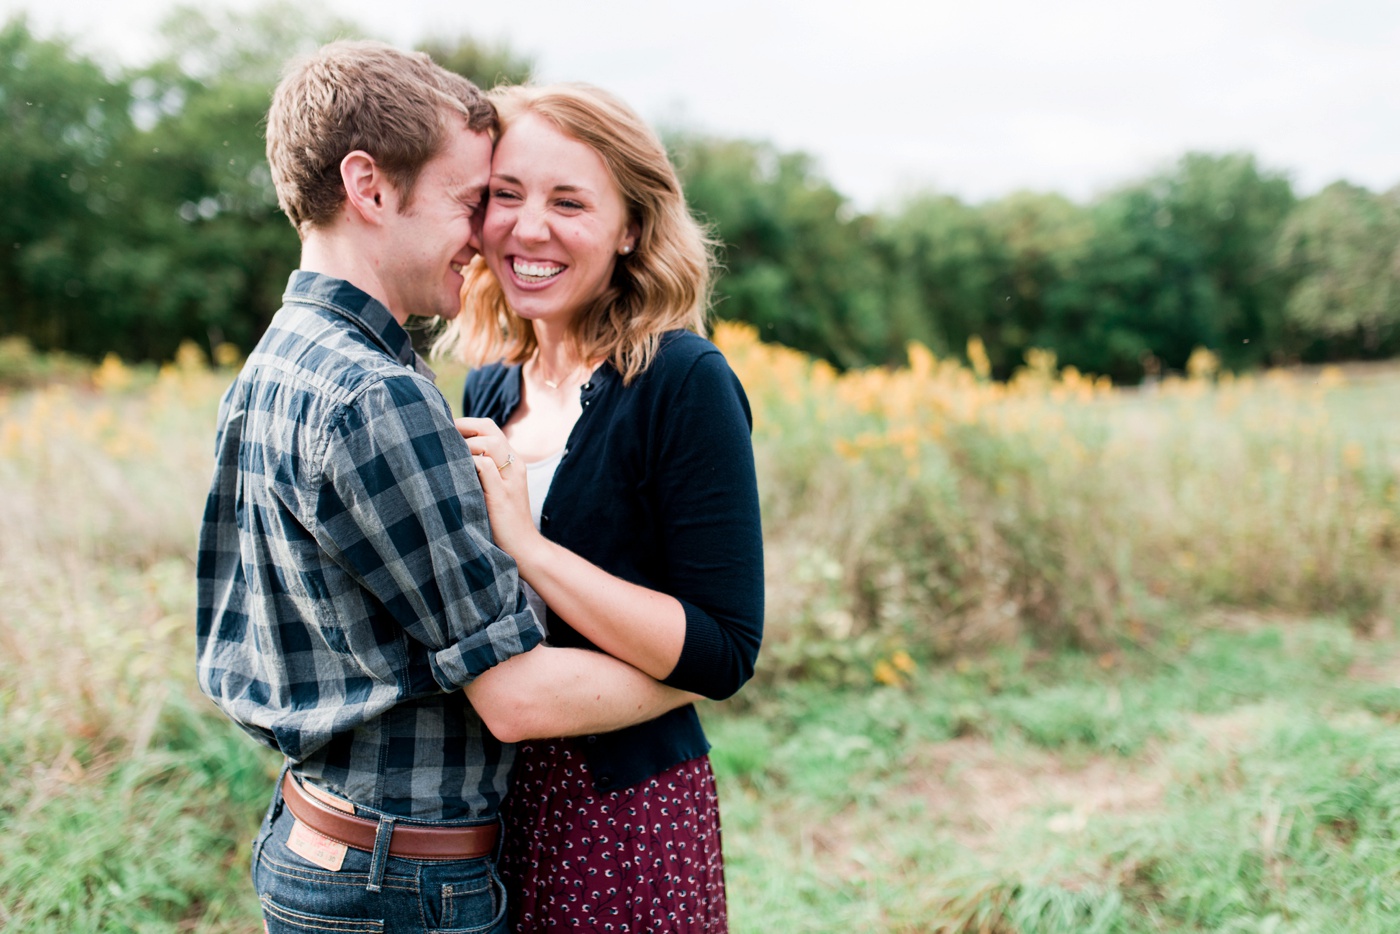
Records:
x=136, y=211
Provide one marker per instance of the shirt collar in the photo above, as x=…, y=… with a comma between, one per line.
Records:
x=358, y=307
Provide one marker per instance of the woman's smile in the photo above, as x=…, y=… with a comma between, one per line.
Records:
x=537, y=272
x=555, y=222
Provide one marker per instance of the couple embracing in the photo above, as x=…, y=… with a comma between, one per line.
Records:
x=477, y=642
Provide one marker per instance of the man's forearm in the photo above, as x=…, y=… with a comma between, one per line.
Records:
x=551, y=691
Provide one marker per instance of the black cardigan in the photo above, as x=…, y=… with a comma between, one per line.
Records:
x=657, y=487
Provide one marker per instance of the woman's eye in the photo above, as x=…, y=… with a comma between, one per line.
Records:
x=502, y=196
x=571, y=205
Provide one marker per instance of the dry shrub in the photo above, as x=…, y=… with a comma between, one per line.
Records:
x=929, y=508
x=103, y=494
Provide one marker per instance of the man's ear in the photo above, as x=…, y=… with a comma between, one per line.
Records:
x=367, y=190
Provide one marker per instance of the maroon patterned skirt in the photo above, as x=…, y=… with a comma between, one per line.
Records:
x=645, y=858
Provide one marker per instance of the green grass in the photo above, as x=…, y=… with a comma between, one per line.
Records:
x=156, y=843
x=1248, y=782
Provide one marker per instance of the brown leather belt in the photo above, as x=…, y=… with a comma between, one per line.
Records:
x=409, y=841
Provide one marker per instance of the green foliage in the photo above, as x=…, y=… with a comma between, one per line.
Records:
x=1140, y=292
x=796, y=264
x=153, y=221
x=136, y=212
x=65, y=124
x=1044, y=239
x=1233, y=212
x=1130, y=284
x=1343, y=246
x=1180, y=261
x=945, y=266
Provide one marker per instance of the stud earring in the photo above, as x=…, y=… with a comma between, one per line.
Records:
x=626, y=248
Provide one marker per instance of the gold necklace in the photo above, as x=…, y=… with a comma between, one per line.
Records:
x=555, y=383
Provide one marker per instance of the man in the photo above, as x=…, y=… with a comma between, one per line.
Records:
x=353, y=612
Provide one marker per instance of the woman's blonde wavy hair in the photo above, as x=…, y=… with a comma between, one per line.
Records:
x=662, y=285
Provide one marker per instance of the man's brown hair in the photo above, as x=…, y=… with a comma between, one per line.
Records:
x=361, y=95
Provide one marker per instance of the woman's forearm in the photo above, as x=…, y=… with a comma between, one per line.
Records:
x=643, y=627
x=550, y=691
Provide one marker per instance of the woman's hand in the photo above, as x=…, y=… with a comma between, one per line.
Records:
x=609, y=611
x=503, y=480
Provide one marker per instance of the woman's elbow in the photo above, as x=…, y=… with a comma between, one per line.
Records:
x=725, y=681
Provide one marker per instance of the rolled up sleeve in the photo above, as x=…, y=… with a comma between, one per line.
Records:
x=401, y=509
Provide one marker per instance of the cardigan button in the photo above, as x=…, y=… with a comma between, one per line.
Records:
x=544, y=520
x=591, y=740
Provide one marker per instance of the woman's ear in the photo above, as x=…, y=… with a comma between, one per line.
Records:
x=366, y=187
x=629, y=242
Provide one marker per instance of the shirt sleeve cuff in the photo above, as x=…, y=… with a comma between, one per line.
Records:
x=709, y=664
x=459, y=664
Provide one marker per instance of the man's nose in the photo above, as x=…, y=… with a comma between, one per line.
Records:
x=474, y=238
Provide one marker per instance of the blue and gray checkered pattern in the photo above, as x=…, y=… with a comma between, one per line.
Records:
x=348, y=587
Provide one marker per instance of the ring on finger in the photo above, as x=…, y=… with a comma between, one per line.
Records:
x=510, y=459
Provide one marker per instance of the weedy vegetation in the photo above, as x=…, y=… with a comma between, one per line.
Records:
x=1042, y=655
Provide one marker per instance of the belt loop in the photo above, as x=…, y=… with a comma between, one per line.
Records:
x=274, y=807
x=380, y=856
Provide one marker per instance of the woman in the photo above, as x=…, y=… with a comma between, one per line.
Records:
x=584, y=322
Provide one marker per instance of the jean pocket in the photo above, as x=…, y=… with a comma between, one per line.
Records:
x=280, y=918
x=475, y=905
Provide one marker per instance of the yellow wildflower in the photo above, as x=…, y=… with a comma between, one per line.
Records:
x=886, y=674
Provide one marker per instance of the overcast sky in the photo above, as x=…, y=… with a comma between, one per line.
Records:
x=976, y=98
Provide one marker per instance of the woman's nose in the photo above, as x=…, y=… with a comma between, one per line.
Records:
x=530, y=224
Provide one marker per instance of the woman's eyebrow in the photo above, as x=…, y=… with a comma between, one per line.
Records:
x=567, y=189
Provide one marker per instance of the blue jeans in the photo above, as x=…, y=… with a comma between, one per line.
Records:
x=442, y=897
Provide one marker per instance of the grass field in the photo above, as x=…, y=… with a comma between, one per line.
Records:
x=1045, y=656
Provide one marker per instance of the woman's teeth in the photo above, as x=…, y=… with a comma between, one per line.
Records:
x=536, y=272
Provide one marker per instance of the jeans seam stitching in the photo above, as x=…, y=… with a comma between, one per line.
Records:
x=349, y=878
x=292, y=916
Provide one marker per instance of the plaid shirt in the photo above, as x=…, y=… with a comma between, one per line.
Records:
x=347, y=583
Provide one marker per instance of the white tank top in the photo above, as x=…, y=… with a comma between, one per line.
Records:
x=539, y=475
